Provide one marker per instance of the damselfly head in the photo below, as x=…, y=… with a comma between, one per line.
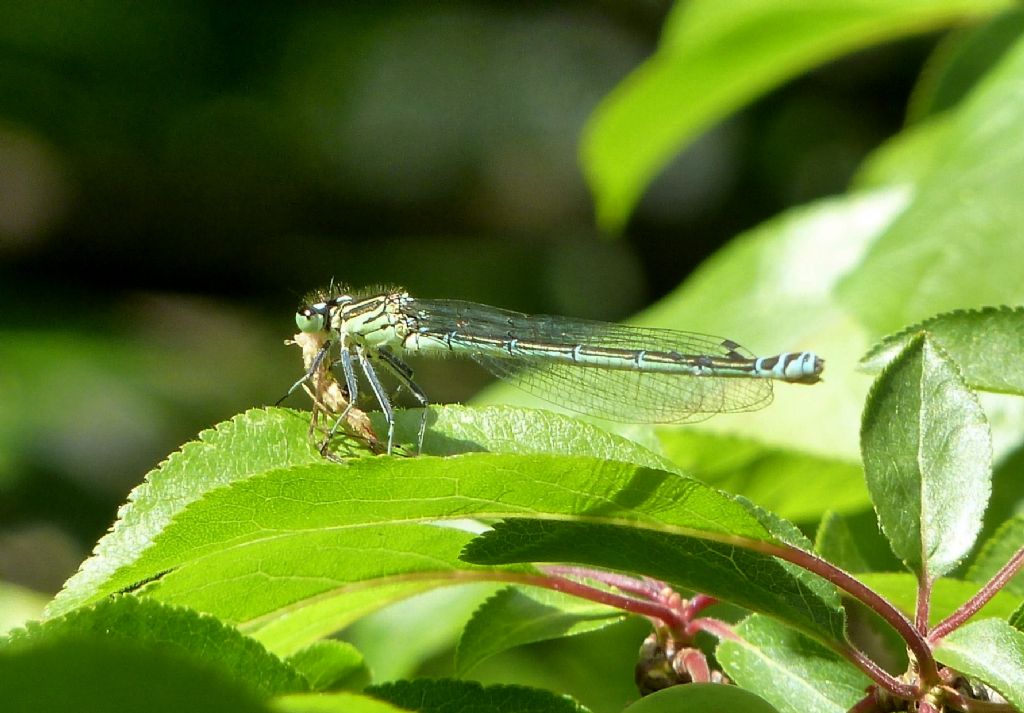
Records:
x=312, y=318
x=316, y=317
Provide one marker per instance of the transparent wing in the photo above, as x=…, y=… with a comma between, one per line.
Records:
x=632, y=396
x=615, y=394
x=481, y=320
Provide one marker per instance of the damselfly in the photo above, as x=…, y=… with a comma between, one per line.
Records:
x=613, y=371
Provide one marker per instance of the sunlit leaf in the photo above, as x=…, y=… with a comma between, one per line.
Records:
x=331, y=665
x=997, y=551
x=260, y=440
x=793, y=484
x=792, y=672
x=293, y=553
x=515, y=616
x=1016, y=619
x=959, y=243
x=434, y=620
x=987, y=345
x=502, y=429
x=713, y=58
x=126, y=621
x=927, y=458
x=907, y=157
x=990, y=650
x=272, y=439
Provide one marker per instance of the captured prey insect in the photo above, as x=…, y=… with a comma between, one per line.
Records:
x=329, y=397
x=613, y=371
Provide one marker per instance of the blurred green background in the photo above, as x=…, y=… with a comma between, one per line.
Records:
x=174, y=175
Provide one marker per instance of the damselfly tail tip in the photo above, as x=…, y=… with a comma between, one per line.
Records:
x=812, y=365
x=794, y=367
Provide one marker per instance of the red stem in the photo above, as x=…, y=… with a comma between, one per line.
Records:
x=679, y=626
x=642, y=588
x=924, y=600
x=716, y=627
x=652, y=610
x=915, y=641
x=699, y=603
x=927, y=668
x=972, y=605
x=878, y=674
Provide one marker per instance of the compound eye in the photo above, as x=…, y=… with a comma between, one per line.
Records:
x=309, y=321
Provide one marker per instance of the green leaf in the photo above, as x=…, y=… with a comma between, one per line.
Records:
x=202, y=639
x=97, y=675
x=378, y=493
x=836, y=542
x=514, y=617
x=452, y=430
x=1016, y=619
x=261, y=577
x=703, y=697
x=961, y=61
x=958, y=244
x=927, y=458
x=261, y=440
x=948, y=595
x=854, y=543
x=292, y=627
x=795, y=485
x=788, y=670
x=332, y=703
x=907, y=157
x=249, y=443
x=997, y=551
x=331, y=665
x=433, y=619
x=740, y=576
x=295, y=553
x=439, y=697
x=987, y=345
x=713, y=58
x=991, y=651
x=595, y=669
